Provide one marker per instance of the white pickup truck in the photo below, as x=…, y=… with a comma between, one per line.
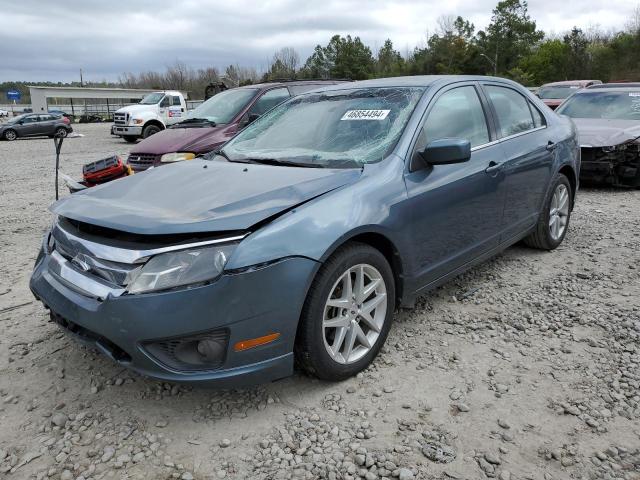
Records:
x=155, y=112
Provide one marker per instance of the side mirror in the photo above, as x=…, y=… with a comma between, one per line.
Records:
x=445, y=151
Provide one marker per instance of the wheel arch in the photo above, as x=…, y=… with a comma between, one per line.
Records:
x=384, y=245
x=10, y=130
x=568, y=171
x=155, y=122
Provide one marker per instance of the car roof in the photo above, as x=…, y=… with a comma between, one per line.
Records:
x=290, y=83
x=569, y=83
x=614, y=85
x=610, y=89
x=418, y=81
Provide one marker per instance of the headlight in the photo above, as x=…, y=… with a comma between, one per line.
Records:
x=177, y=157
x=183, y=267
x=137, y=121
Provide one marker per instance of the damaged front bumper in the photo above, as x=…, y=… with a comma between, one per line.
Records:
x=159, y=334
x=617, y=165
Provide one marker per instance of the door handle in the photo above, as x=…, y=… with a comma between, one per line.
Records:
x=551, y=146
x=493, y=167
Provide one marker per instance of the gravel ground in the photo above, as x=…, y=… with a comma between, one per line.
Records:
x=526, y=367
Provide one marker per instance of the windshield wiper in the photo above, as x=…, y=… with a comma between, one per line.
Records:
x=195, y=121
x=286, y=163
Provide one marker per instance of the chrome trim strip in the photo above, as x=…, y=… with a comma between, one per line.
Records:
x=125, y=255
x=504, y=139
x=59, y=267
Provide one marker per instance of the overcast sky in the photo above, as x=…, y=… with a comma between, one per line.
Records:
x=46, y=40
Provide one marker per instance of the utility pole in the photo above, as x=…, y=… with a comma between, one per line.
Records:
x=81, y=84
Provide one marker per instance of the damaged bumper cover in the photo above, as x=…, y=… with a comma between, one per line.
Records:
x=617, y=165
x=183, y=334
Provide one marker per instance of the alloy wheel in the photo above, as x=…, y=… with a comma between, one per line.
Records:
x=559, y=212
x=10, y=135
x=354, y=313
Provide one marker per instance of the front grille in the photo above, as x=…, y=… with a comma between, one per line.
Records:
x=118, y=274
x=142, y=161
x=182, y=353
x=120, y=118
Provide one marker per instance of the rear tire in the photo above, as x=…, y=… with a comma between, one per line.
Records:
x=61, y=132
x=338, y=352
x=10, y=135
x=554, y=220
x=150, y=130
x=130, y=138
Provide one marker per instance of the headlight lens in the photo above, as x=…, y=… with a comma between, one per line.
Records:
x=184, y=267
x=177, y=157
x=137, y=121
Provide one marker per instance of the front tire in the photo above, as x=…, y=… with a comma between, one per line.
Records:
x=10, y=135
x=150, y=130
x=347, y=314
x=554, y=220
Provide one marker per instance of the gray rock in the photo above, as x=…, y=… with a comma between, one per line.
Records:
x=405, y=474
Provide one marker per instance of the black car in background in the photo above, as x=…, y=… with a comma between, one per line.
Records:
x=35, y=125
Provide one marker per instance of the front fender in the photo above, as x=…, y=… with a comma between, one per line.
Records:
x=314, y=230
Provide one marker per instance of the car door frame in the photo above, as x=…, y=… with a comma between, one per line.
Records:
x=514, y=230
x=29, y=129
x=428, y=279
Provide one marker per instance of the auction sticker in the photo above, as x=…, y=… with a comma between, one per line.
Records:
x=365, y=115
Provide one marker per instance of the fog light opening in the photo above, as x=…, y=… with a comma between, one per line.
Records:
x=255, y=342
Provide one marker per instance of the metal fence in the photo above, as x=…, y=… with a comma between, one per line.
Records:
x=102, y=108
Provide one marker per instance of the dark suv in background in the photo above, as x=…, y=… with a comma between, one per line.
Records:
x=35, y=125
x=215, y=121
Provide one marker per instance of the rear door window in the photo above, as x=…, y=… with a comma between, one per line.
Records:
x=512, y=110
x=538, y=118
x=457, y=113
x=269, y=100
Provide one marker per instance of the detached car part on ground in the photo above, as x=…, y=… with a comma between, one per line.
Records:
x=308, y=229
x=35, y=125
x=608, y=123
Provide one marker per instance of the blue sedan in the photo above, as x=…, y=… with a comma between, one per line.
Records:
x=296, y=241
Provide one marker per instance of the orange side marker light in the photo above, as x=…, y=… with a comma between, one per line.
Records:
x=255, y=342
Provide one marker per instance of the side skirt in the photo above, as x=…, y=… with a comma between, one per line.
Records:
x=408, y=301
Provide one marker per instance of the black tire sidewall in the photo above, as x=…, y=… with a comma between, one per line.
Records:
x=61, y=132
x=150, y=128
x=317, y=358
x=550, y=241
x=4, y=135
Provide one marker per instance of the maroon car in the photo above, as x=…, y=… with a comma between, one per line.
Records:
x=553, y=94
x=215, y=121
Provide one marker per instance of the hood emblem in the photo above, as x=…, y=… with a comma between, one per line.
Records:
x=79, y=260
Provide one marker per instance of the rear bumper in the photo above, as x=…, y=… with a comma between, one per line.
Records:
x=248, y=305
x=124, y=130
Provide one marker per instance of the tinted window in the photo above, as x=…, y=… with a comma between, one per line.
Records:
x=224, y=106
x=512, y=109
x=30, y=119
x=166, y=101
x=538, y=118
x=45, y=118
x=176, y=101
x=457, y=113
x=269, y=100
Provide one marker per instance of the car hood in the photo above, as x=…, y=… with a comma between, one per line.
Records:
x=598, y=132
x=200, y=196
x=191, y=139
